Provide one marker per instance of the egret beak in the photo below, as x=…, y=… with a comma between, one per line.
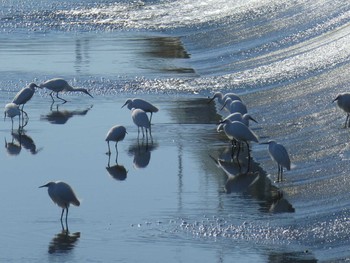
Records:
x=251, y=118
x=211, y=99
x=88, y=94
x=5, y=116
x=224, y=105
x=264, y=143
x=45, y=185
x=335, y=99
x=124, y=104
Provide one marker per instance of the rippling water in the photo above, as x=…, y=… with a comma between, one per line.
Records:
x=287, y=59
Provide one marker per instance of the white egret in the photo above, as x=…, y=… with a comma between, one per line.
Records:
x=280, y=155
x=235, y=106
x=24, y=95
x=141, y=120
x=237, y=116
x=116, y=134
x=221, y=97
x=62, y=194
x=12, y=110
x=238, y=132
x=141, y=104
x=343, y=101
x=58, y=85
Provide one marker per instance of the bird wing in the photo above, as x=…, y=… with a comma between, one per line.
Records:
x=280, y=155
x=65, y=194
x=23, y=96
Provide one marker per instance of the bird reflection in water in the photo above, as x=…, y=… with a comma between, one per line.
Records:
x=141, y=153
x=116, y=171
x=256, y=184
x=63, y=242
x=25, y=141
x=62, y=116
x=20, y=140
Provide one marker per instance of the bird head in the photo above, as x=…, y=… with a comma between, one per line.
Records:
x=33, y=85
x=127, y=102
x=336, y=98
x=47, y=185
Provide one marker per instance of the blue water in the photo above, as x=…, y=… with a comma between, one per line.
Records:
x=287, y=59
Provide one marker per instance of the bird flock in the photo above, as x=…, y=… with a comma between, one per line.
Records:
x=236, y=127
x=237, y=130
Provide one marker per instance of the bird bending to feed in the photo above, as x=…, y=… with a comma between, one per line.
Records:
x=115, y=134
x=141, y=104
x=222, y=98
x=62, y=194
x=343, y=101
x=12, y=110
x=141, y=120
x=58, y=85
x=280, y=155
x=24, y=95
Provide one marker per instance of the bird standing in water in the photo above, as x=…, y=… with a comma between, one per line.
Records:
x=63, y=195
x=343, y=101
x=280, y=155
x=12, y=110
x=58, y=85
x=116, y=134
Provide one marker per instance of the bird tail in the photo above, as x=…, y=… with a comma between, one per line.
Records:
x=76, y=202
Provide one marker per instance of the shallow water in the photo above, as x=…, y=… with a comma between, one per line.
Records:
x=182, y=198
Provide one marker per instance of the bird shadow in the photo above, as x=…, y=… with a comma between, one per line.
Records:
x=63, y=242
x=57, y=116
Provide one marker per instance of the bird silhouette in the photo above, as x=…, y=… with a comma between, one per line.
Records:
x=58, y=85
x=63, y=195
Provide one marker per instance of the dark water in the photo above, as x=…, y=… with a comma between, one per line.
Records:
x=287, y=59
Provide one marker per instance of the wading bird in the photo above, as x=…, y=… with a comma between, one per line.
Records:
x=12, y=110
x=280, y=155
x=24, y=95
x=141, y=120
x=235, y=106
x=237, y=132
x=343, y=101
x=141, y=104
x=63, y=195
x=115, y=134
x=222, y=98
x=58, y=85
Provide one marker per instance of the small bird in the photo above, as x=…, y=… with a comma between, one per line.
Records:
x=222, y=98
x=280, y=155
x=24, y=95
x=116, y=134
x=235, y=106
x=62, y=194
x=141, y=120
x=343, y=101
x=58, y=85
x=12, y=110
x=141, y=104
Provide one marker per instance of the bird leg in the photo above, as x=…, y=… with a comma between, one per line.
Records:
x=116, y=149
x=62, y=214
x=52, y=96
x=109, y=149
x=64, y=101
x=347, y=122
x=279, y=173
x=248, y=157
